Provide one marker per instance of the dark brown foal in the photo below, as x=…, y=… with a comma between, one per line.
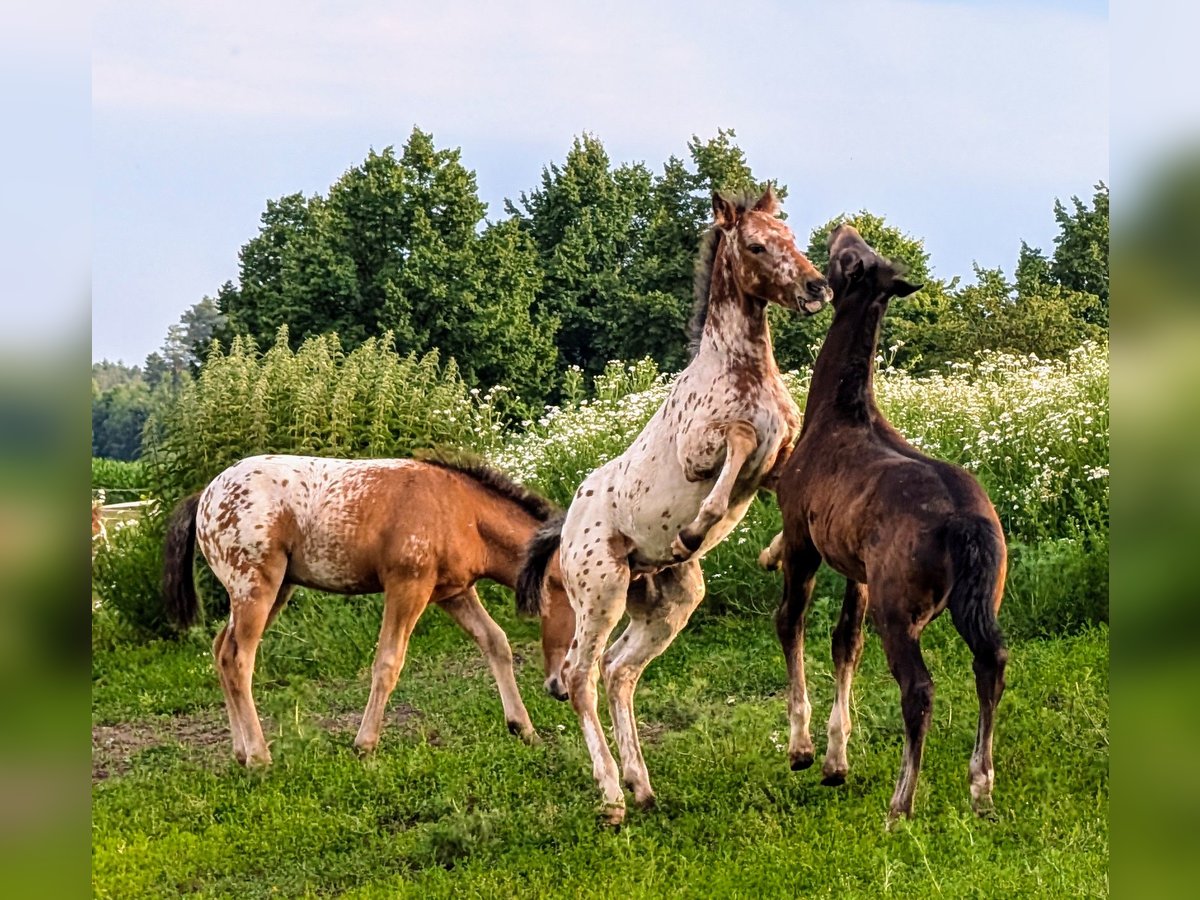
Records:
x=920, y=533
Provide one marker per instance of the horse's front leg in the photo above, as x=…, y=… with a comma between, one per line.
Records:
x=770, y=481
x=741, y=440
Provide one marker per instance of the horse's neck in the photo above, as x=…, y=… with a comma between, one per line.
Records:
x=843, y=379
x=736, y=331
x=505, y=534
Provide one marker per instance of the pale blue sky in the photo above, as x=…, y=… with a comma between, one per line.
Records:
x=960, y=122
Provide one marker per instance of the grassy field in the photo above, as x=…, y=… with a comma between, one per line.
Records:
x=451, y=805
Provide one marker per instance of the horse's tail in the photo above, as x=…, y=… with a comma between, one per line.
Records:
x=530, y=579
x=179, y=585
x=978, y=557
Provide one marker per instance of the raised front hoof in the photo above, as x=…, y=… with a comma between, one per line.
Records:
x=800, y=760
x=770, y=557
x=612, y=815
x=685, y=545
x=557, y=691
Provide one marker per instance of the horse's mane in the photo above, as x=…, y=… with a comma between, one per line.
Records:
x=710, y=241
x=701, y=286
x=491, y=478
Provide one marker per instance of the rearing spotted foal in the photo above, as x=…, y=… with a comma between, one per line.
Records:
x=636, y=530
x=421, y=531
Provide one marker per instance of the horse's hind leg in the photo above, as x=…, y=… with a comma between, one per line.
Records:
x=404, y=601
x=800, y=566
x=847, y=649
x=235, y=731
x=236, y=647
x=471, y=616
x=599, y=601
x=656, y=617
x=990, y=662
x=901, y=642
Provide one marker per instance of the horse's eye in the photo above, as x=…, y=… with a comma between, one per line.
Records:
x=757, y=248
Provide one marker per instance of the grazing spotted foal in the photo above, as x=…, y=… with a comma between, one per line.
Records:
x=919, y=533
x=420, y=531
x=636, y=530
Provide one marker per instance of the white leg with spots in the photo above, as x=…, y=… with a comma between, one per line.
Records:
x=658, y=609
x=599, y=603
x=236, y=654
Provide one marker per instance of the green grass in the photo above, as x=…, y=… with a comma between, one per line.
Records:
x=451, y=805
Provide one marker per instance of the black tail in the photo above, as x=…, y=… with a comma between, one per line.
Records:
x=533, y=571
x=179, y=584
x=978, y=556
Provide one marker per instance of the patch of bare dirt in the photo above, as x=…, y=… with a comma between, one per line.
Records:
x=399, y=713
x=115, y=746
x=651, y=732
x=204, y=737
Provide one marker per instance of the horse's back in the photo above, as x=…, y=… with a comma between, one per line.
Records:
x=323, y=516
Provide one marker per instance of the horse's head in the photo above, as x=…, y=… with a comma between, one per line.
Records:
x=767, y=264
x=558, y=630
x=857, y=271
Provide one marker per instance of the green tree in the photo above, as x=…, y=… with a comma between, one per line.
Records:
x=1081, y=247
x=119, y=416
x=1036, y=316
x=908, y=326
x=396, y=246
x=618, y=246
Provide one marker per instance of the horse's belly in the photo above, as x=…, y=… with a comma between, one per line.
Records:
x=331, y=554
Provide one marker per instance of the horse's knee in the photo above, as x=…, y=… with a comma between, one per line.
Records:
x=387, y=665
x=498, y=649
x=916, y=701
x=579, y=685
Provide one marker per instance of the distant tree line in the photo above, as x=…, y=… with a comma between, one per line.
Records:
x=593, y=264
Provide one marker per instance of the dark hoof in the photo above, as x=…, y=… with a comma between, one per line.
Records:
x=559, y=695
x=834, y=779
x=986, y=814
x=645, y=804
x=801, y=761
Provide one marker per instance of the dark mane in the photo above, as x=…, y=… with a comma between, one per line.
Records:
x=701, y=284
x=492, y=479
x=710, y=242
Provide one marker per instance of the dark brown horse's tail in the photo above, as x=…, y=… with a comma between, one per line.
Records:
x=978, y=557
x=179, y=585
x=538, y=554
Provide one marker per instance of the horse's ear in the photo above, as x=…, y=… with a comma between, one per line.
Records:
x=768, y=203
x=725, y=213
x=902, y=288
x=852, y=264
